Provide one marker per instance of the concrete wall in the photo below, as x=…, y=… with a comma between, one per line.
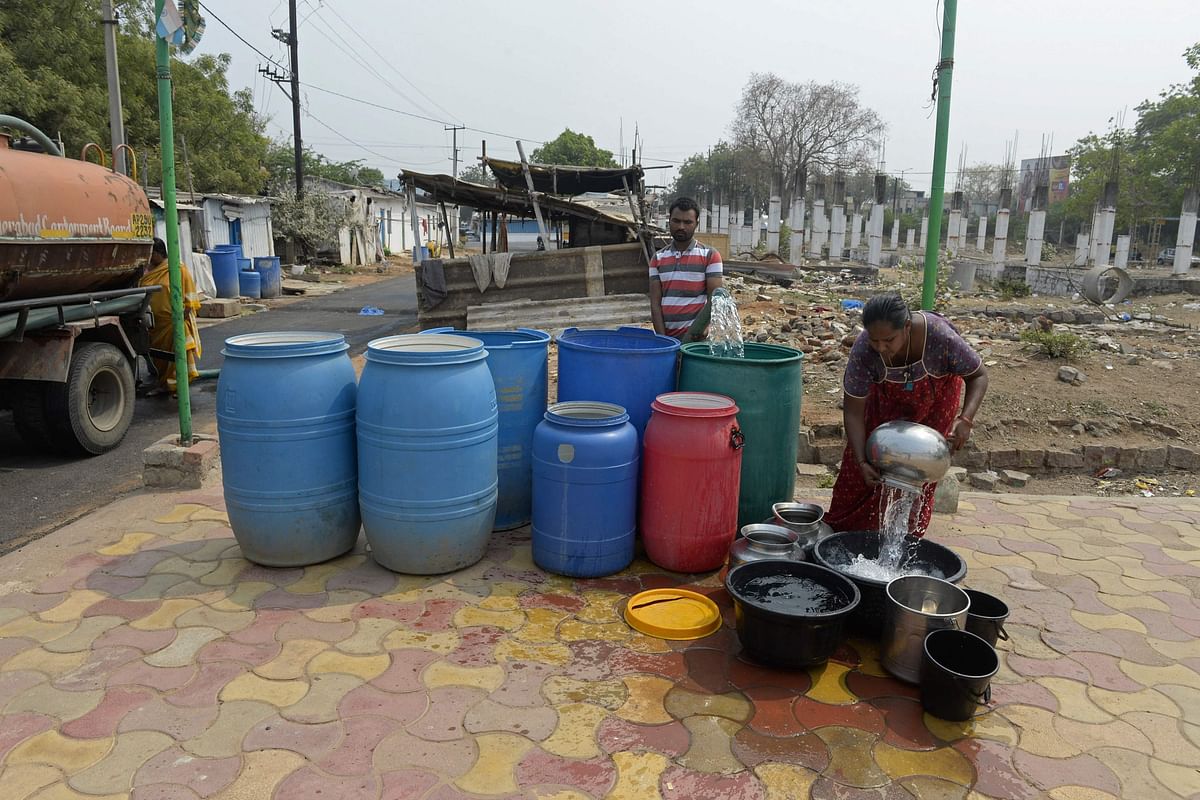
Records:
x=1059, y=282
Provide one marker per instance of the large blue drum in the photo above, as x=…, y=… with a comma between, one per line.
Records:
x=427, y=430
x=517, y=360
x=285, y=416
x=225, y=269
x=585, y=481
x=272, y=281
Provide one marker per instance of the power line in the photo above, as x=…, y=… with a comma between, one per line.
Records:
x=240, y=38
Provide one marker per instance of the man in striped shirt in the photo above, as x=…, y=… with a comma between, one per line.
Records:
x=683, y=274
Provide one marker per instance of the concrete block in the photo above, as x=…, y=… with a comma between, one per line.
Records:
x=1014, y=478
x=970, y=458
x=1153, y=458
x=1003, y=459
x=1064, y=459
x=1183, y=457
x=1129, y=457
x=1031, y=459
x=828, y=430
x=830, y=453
x=1099, y=455
x=987, y=481
x=220, y=307
x=957, y=474
x=167, y=465
x=806, y=451
x=945, y=497
x=812, y=470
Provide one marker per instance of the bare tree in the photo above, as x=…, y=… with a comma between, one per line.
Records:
x=798, y=128
x=980, y=183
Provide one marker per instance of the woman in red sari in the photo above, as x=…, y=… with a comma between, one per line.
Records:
x=904, y=366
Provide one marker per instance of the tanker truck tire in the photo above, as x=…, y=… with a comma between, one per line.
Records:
x=29, y=416
x=92, y=411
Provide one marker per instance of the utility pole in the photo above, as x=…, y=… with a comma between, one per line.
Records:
x=945, y=70
x=116, y=123
x=290, y=38
x=454, y=129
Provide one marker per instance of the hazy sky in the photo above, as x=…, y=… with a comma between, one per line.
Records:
x=1059, y=68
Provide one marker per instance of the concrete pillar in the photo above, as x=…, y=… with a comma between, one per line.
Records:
x=818, y=229
x=856, y=231
x=1094, y=236
x=723, y=226
x=981, y=235
x=896, y=232
x=1033, y=238
x=797, y=224
x=1187, y=232
x=774, y=208
x=733, y=225
x=750, y=229
x=837, y=233
x=1122, y=252
x=924, y=232
x=875, y=242
x=705, y=221
x=1000, y=241
x=953, y=231
x=909, y=236
x=962, y=230
x=1082, y=249
x=1103, y=236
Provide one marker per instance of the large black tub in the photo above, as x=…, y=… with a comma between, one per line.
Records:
x=790, y=613
x=924, y=558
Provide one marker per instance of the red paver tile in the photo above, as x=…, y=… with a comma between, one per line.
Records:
x=16, y=728
x=117, y=585
x=1079, y=640
x=825, y=788
x=1180, y=605
x=283, y=599
x=75, y=570
x=438, y=615
x=773, y=714
x=448, y=706
x=1026, y=693
x=1135, y=648
x=299, y=626
x=846, y=653
x=404, y=673
x=276, y=576
x=313, y=741
x=1106, y=672
x=204, y=688
x=127, y=610
x=94, y=672
x=366, y=577
x=995, y=775
x=679, y=783
x=477, y=646
x=630, y=662
x=353, y=755
x=178, y=722
x=407, y=784
x=1189, y=628
x=805, y=750
x=616, y=734
x=164, y=679
x=138, y=565
x=627, y=586
x=33, y=603
x=163, y=791
x=264, y=627
x=596, y=776
x=12, y=645
x=377, y=608
x=862, y=716
x=870, y=687
x=591, y=660
x=251, y=655
x=101, y=722
x=205, y=776
x=745, y=674
x=556, y=602
x=1054, y=667
x=904, y=722
x=707, y=670
x=145, y=641
x=309, y=783
x=367, y=700
x=1082, y=770
x=522, y=685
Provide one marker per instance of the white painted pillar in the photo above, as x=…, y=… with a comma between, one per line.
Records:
x=953, y=231
x=1122, y=252
x=733, y=224
x=1000, y=241
x=875, y=243
x=818, y=229
x=723, y=224
x=837, y=233
x=774, y=208
x=910, y=236
x=1094, y=237
x=1033, y=238
x=797, y=240
x=1108, y=221
x=856, y=222
x=962, y=230
x=1082, y=249
x=896, y=233
x=981, y=235
x=924, y=232
x=704, y=221
x=750, y=229
x=1187, y=232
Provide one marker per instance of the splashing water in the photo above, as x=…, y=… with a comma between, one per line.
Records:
x=725, y=328
x=896, y=551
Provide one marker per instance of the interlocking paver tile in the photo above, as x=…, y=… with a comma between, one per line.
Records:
x=678, y=783
x=50, y=700
x=785, y=781
x=310, y=782
x=352, y=756
x=102, y=721
x=365, y=667
x=682, y=703
x=223, y=738
x=401, y=749
x=575, y=734
x=1184, y=781
x=261, y=774
x=49, y=663
x=177, y=722
x=904, y=724
x=442, y=673
x=644, y=700
x=204, y=777
x=494, y=771
x=67, y=754
x=852, y=761
x=863, y=716
x=313, y=741
x=806, y=750
x=204, y=688
x=535, y=724
x=522, y=685
x=996, y=775
x=711, y=740
x=445, y=717
x=249, y=686
x=24, y=780
x=638, y=776
x=110, y=775
x=325, y=693
x=407, y=784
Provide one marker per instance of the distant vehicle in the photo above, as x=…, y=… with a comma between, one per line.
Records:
x=1167, y=256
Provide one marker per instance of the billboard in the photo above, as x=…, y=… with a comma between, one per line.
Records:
x=1055, y=171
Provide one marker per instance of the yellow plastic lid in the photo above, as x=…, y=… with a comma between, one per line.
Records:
x=672, y=614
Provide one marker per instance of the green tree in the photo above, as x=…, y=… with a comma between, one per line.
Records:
x=574, y=149
x=719, y=175
x=476, y=173
x=281, y=167
x=53, y=75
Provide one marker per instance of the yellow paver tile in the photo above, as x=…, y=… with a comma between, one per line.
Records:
x=1125, y=603
x=206, y=514
x=30, y=627
x=242, y=597
x=644, y=704
x=829, y=684
x=72, y=607
x=638, y=775
x=67, y=754
x=62, y=791
x=641, y=643
x=114, y=773
x=1116, y=733
x=292, y=659
x=54, y=702
x=223, y=739
x=165, y=615
x=249, y=686
x=443, y=673
x=1184, y=781
x=559, y=794
x=495, y=768
x=368, y=636
x=1173, y=650
x=1117, y=621
x=177, y=565
x=315, y=577
x=560, y=690
x=1153, y=676
x=945, y=762
x=130, y=543
x=541, y=625
x=1037, y=731
x=681, y=703
x=555, y=654
x=1080, y=793
x=784, y=781
x=471, y=616
x=182, y=651
x=86, y=632
x=325, y=694
x=504, y=596
x=226, y=572
x=1164, y=739
x=181, y=513
x=262, y=771
x=1119, y=703
x=572, y=630
x=710, y=749
x=1157, y=584
x=22, y=780
x=1133, y=771
x=575, y=736
x=440, y=642
x=1185, y=698
x=1074, y=701
x=205, y=616
x=600, y=607
x=46, y=662
x=365, y=667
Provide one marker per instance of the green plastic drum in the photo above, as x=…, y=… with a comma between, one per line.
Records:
x=766, y=385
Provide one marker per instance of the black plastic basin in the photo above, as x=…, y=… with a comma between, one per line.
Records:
x=928, y=558
x=790, y=638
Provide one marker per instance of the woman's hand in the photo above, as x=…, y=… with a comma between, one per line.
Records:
x=960, y=433
x=869, y=473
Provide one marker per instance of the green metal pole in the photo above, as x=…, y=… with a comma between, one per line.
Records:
x=166, y=134
x=933, y=239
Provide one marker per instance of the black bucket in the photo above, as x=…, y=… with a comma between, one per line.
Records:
x=985, y=617
x=956, y=674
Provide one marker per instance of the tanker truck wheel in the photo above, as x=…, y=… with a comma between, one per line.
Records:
x=91, y=412
x=29, y=415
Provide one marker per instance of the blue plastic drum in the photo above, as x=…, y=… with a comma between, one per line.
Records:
x=225, y=270
x=272, y=281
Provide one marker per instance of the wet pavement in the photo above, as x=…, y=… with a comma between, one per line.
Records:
x=141, y=656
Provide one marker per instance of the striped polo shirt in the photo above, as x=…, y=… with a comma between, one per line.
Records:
x=684, y=275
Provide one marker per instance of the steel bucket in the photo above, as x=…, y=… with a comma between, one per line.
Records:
x=917, y=605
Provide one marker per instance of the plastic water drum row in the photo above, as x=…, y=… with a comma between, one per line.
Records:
x=234, y=275
x=413, y=451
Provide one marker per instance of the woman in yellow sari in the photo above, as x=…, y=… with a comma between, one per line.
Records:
x=162, y=336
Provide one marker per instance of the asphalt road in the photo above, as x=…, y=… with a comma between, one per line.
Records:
x=41, y=492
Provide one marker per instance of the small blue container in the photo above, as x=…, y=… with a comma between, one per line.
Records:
x=272, y=281
x=225, y=270
x=585, y=480
x=628, y=367
x=285, y=415
x=250, y=284
x=518, y=363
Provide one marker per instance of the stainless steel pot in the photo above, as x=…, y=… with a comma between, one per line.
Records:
x=908, y=455
x=804, y=519
x=916, y=605
x=761, y=541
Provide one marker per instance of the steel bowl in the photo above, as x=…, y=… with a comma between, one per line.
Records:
x=908, y=455
x=804, y=519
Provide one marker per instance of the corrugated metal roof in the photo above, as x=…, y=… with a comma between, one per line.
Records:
x=564, y=179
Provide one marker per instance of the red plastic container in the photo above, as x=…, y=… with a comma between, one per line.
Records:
x=691, y=470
